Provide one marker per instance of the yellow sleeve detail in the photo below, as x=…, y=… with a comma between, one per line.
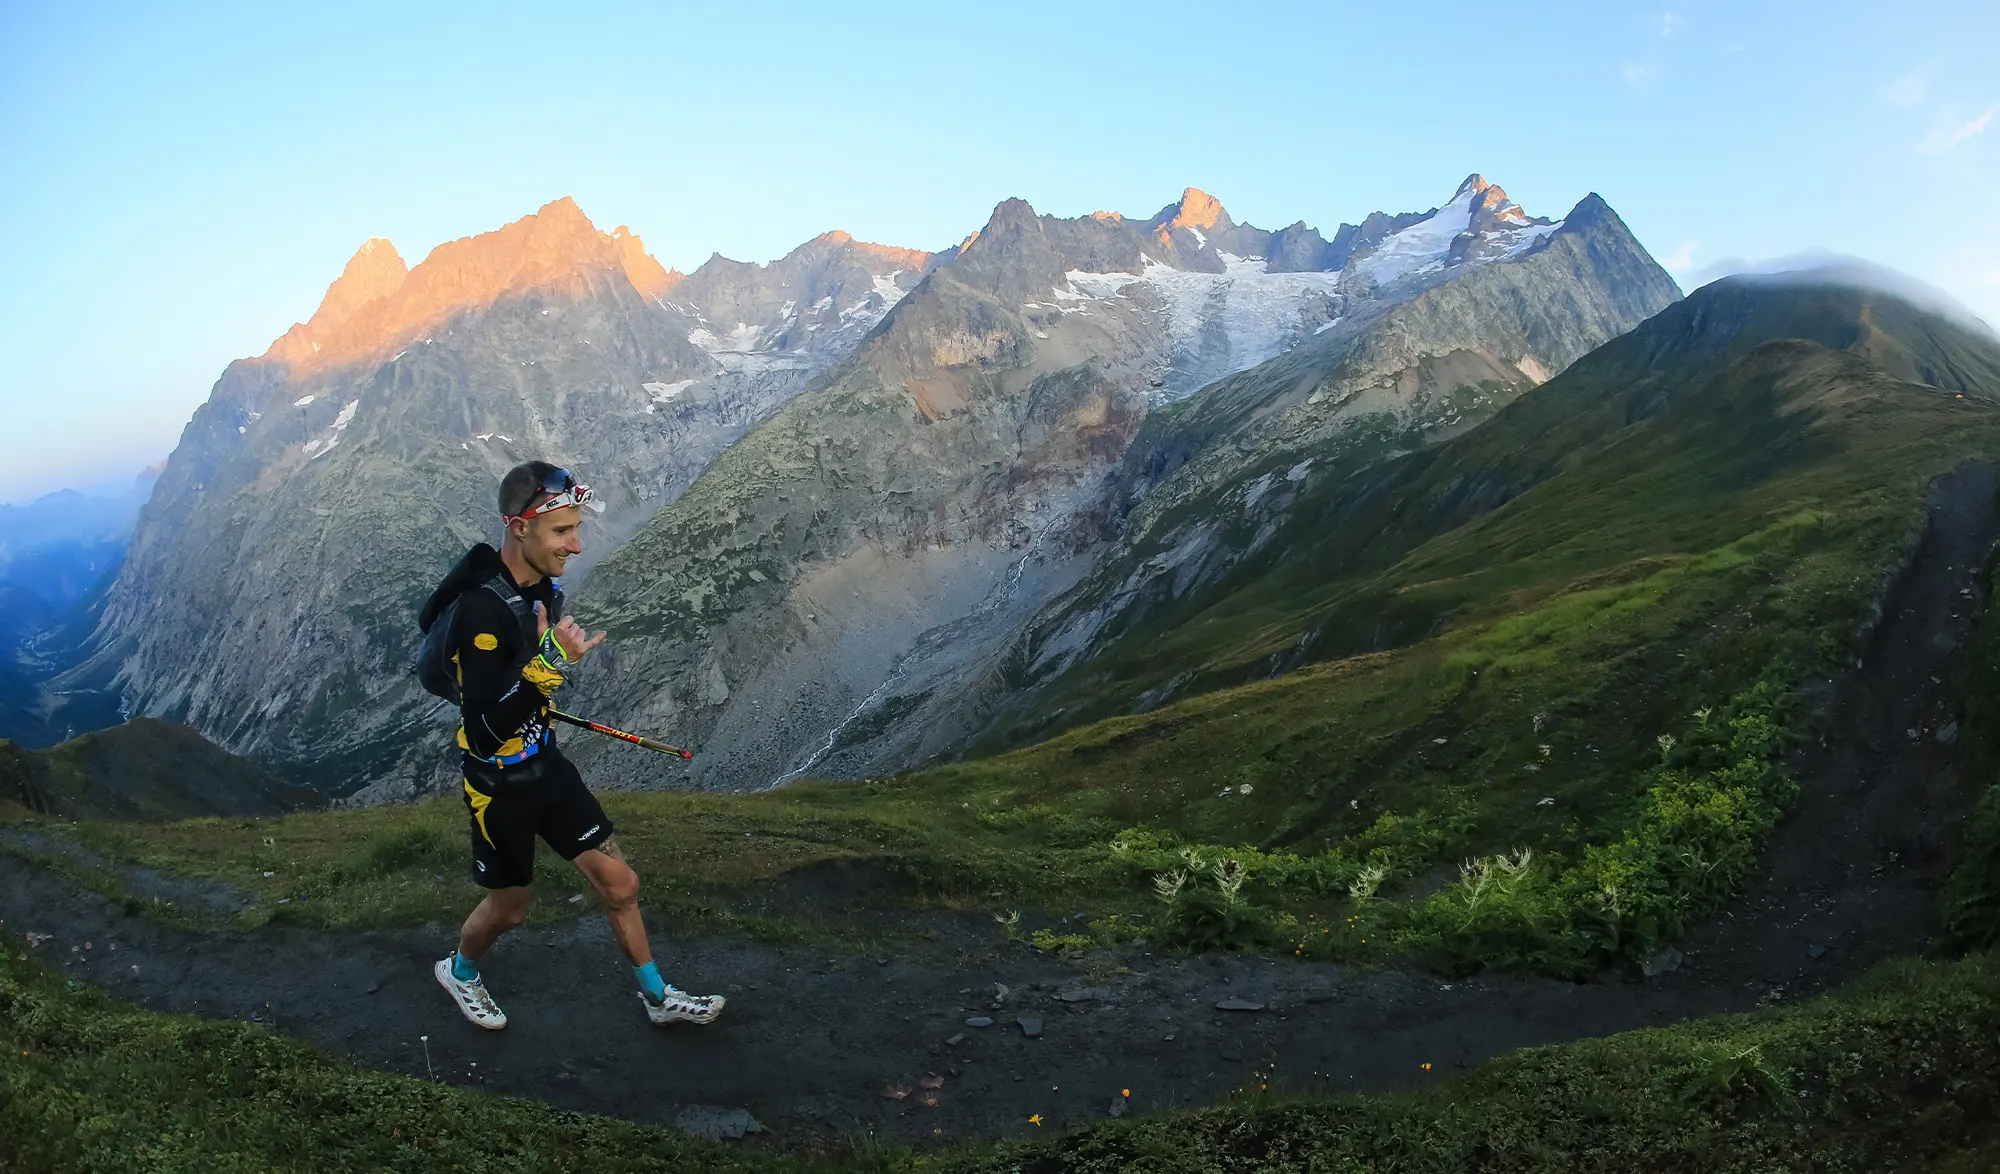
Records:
x=486, y=642
x=538, y=673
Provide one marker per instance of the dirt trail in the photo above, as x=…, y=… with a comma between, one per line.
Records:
x=810, y=1042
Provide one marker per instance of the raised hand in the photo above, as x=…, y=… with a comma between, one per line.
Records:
x=569, y=634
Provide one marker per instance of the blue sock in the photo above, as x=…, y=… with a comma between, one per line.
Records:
x=650, y=981
x=462, y=968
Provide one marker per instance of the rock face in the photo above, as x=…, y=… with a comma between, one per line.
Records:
x=1210, y=483
x=269, y=596
x=849, y=588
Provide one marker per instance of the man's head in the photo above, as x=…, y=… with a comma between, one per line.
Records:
x=541, y=505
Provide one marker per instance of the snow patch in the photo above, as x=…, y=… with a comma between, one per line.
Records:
x=303, y=401
x=1256, y=313
x=1422, y=247
x=1524, y=238
x=663, y=392
x=320, y=446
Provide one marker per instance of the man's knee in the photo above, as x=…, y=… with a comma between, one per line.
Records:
x=620, y=891
x=506, y=912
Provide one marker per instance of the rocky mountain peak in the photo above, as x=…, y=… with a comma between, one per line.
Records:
x=376, y=270
x=1475, y=184
x=1195, y=210
x=555, y=248
x=644, y=271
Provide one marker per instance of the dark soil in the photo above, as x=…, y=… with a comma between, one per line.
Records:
x=811, y=1043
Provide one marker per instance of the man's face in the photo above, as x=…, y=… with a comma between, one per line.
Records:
x=547, y=540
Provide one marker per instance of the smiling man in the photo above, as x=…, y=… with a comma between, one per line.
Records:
x=504, y=650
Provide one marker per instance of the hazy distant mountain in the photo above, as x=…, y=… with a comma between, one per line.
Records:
x=57, y=554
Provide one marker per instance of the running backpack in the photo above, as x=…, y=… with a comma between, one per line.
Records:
x=437, y=669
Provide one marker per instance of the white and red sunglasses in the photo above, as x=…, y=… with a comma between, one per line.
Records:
x=564, y=491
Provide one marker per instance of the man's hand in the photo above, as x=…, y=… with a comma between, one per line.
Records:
x=569, y=634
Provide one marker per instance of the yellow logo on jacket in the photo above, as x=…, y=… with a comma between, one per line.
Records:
x=486, y=642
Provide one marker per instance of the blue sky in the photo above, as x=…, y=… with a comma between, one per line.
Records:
x=181, y=185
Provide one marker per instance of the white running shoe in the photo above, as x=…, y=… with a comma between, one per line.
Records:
x=679, y=1006
x=471, y=998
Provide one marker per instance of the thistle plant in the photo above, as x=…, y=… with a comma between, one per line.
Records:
x=1010, y=924
x=1195, y=861
x=1367, y=881
x=1701, y=715
x=1474, y=876
x=1229, y=878
x=1168, y=885
x=1666, y=742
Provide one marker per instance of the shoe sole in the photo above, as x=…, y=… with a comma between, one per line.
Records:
x=444, y=980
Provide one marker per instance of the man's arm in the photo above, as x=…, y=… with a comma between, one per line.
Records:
x=496, y=701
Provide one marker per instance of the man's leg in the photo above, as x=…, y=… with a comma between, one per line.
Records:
x=618, y=887
x=503, y=860
x=502, y=910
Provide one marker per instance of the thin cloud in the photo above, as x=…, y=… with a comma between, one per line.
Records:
x=1949, y=132
x=1639, y=76
x=1821, y=267
x=1667, y=22
x=1908, y=90
x=1682, y=258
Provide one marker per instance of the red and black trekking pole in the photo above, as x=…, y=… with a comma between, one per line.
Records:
x=621, y=735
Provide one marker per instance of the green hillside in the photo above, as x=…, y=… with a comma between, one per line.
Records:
x=145, y=769
x=1675, y=438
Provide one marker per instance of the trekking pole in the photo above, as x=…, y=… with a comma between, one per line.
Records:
x=621, y=735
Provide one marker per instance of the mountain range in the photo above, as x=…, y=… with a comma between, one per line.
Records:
x=862, y=500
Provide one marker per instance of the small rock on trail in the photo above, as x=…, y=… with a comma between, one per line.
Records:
x=716, y=1123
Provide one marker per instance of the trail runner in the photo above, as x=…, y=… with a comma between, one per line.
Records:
x=517, y=785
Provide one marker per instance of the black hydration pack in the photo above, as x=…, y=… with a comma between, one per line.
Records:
x=480, y=570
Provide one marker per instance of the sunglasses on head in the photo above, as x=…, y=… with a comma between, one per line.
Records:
x=563, y=491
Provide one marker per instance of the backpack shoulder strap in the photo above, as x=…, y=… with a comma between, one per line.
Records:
x=524, y=612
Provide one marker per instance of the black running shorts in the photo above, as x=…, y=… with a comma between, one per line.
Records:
x=556, y=806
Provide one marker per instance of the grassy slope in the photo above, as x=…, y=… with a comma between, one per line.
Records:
x=1899, y=1071
x=1640, y=448
x=1671, y=529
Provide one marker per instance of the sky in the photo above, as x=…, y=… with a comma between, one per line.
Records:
x=180, y=183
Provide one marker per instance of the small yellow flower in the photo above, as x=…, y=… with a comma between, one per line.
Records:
x=1124, y=1092
x=1035, y=1120
x=1427, y=1065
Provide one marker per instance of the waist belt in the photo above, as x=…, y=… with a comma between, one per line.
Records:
x=511, y=759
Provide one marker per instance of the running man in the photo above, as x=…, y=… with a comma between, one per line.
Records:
x=508, y=661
